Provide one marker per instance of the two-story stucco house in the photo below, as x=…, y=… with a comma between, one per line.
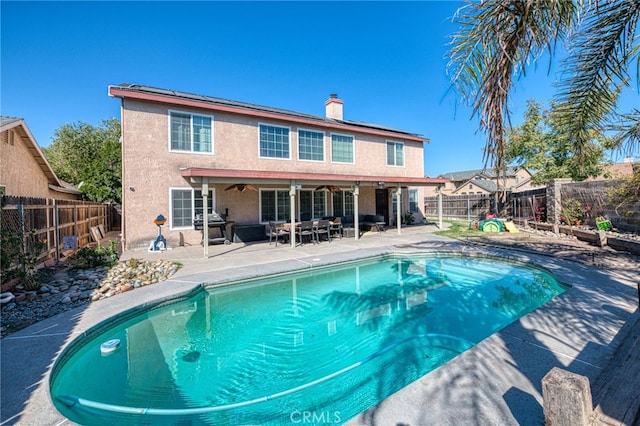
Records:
x=24, y=170
x=254, y=164
x=484, y=181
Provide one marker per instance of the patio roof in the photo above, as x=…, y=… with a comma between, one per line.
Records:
x=275, y=177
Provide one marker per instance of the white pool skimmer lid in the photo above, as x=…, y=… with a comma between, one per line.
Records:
x=109, y=346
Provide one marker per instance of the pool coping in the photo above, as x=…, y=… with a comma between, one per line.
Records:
x=497, y=382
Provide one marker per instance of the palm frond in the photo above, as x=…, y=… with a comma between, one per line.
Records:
x=496, y=42
x=596, y=68
x=627, y=132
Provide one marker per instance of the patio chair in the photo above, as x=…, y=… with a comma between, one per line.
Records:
x=276, y=232
x=323, y=227
x=306, y=230
x=336, y=227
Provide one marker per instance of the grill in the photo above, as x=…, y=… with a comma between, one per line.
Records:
x=217, y=228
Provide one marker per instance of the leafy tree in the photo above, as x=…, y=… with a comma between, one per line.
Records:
x=498, y=40
x=90, y=158
x=541, y=144
x=625, y=195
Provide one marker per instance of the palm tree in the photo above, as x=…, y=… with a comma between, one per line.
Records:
x=499, y=39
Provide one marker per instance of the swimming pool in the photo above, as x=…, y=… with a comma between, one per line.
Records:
x=318, y=346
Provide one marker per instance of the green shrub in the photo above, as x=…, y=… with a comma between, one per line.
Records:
x=409, y=219
x=92, y=257
x=573, y=212
x=19, y=259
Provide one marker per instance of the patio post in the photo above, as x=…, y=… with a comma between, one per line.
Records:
x=292, y=213
x=205, y=216
x=440, y=206
x=356, y=221
x=399, y=209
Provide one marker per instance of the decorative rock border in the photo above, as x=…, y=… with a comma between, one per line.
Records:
x=70, y=288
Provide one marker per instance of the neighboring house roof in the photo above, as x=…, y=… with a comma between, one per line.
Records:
x=153, y=94
x=618, y=170
x=487, y=185
x=466, y=175
x=55, y=183
x=5, y=121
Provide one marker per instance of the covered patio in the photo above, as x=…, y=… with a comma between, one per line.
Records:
x=241, y=180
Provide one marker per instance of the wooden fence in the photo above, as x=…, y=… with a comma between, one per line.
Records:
x=49, y=227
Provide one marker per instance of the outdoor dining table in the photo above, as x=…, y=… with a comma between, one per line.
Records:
x=298, y=228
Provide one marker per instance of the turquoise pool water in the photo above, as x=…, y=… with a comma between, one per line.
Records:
x=318, y=346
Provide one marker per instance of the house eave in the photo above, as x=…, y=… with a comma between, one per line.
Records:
x=281, y=115
x=279, y=177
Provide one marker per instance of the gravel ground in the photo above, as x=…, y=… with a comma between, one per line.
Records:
x=63, y=288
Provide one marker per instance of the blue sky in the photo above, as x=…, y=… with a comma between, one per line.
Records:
x=385, y=60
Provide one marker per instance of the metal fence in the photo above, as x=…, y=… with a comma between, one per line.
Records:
x=47, y=227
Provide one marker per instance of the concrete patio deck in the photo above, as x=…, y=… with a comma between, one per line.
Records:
x=496, y=382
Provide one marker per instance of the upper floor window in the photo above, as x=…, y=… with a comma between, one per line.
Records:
x=310, y=145
x=395, y=153
x=342, y=149
x=190, y=132
x=274, y=141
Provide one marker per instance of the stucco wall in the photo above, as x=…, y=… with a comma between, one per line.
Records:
x=150, y=169
x=20, y=173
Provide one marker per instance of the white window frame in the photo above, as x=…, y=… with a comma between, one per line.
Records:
x=314, y=196
x=343, y=193
x=193, y=204
x=413, y=193
x=324, y=150
x=191, y=115
x=285, y=214
x=288, y=137
x=395, y=158
x=353, y=148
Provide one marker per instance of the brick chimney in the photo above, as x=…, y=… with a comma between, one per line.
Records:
x=333, y=106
